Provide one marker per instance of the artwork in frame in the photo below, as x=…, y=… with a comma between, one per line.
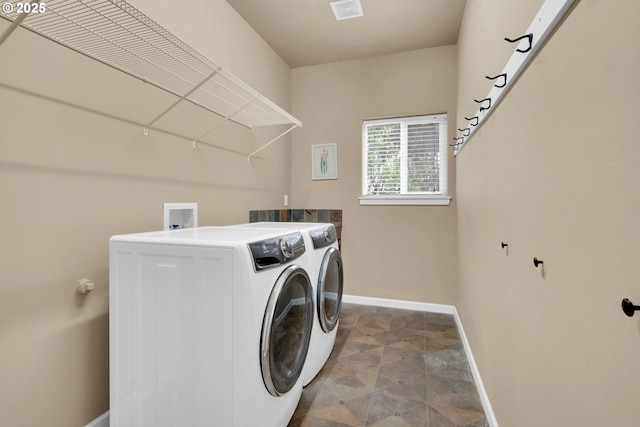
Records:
x=324, y=161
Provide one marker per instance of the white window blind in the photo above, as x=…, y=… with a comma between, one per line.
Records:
x=405, y=156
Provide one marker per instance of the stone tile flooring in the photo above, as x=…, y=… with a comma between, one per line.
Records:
x=393, y=367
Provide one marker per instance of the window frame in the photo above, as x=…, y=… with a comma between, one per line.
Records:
x=440, y=198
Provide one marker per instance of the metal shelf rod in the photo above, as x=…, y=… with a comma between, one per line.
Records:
x=222, y=121
x=183, y=97
x=272, y=141
x=15, y=24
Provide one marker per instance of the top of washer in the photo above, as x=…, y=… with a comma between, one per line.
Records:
x=201, y=236
x=280, y=225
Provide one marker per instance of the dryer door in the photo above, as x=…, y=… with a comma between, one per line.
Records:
x=330, y=290
x=286, y=330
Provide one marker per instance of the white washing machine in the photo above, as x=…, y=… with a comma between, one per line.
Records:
x=208, y=327
x=326, y=270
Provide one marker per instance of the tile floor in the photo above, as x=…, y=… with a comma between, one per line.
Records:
x=393, y=367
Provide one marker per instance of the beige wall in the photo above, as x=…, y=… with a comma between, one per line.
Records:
x=554, y=173
x=71, y=177
x=395, y=252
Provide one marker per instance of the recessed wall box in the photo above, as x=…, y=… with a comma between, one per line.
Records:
x=180, y=215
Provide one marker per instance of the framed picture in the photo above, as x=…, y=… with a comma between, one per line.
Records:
x=324, y=161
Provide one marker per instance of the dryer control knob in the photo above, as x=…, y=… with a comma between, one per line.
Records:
x=285, y=248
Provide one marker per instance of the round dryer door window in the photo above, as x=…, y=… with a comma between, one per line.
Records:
x=286, y=330
x=330, y=290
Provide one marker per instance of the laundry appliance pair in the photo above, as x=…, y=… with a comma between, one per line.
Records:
x=215, y=325
x=326, y=266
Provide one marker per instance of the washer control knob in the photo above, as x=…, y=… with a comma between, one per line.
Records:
x=285, y=248
x=327, y=234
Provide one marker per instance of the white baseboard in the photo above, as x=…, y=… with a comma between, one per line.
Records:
x=436, y=308
x=394, y=303
x=488, y=410
x=101, y=421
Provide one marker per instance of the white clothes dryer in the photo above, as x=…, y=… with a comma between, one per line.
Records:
x=327, y=273
x=208, y=327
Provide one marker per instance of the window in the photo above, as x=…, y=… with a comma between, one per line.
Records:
x=405, y=161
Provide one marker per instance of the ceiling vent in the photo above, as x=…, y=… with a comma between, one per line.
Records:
x=346, y=9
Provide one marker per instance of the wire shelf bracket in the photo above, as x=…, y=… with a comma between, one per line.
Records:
x=271, y=142
x=225, y=119
x=116, y=34
x=182, y=98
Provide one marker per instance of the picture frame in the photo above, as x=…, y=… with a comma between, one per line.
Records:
x=324, y=161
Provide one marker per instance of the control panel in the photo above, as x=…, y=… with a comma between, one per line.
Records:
x=277, y=251
x=324, y=236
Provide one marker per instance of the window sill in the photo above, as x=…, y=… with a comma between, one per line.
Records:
x=405, y=200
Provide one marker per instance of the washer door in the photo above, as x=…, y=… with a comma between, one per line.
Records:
x=330, y=290
x=286, y=330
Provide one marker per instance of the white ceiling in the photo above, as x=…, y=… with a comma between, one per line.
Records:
x=306, y=32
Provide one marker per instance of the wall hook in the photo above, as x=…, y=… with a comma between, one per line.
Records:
x=628, y=307
x=473, y=118
x=504, y=245
x=503, y=75
x=467, y=130
x=528, y=36
x=481, y=101
x=457, y=143
x=537, y=262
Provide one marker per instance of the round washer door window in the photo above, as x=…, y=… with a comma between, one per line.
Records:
x=330, y=290
x=286, y=330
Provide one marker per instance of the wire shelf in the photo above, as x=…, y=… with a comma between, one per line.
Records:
x=117, y=34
